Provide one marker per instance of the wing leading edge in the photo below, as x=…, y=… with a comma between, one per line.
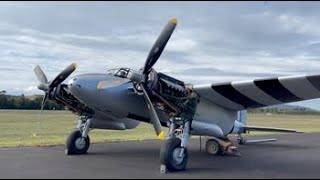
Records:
x=242, y=95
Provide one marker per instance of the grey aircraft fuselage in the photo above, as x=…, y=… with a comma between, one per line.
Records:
x=119, y=107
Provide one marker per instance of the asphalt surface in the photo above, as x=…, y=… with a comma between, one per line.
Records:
x=292, y=156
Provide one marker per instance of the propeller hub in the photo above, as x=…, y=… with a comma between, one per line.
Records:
x=135, y=77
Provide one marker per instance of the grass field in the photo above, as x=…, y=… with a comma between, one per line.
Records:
x=23, y=128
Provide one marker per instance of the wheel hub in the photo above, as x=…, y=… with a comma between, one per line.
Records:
x=213, y=148
x=80, y=143
x=176, y=155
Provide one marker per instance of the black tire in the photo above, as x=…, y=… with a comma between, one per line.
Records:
x=72, y=148
x=213, y=147
x=167, y=153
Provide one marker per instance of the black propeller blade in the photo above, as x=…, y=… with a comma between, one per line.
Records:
x=40, y=75
x=153, y=115
x=63, y=75
x=42, y=78
x=159, y=45
x=44, y=101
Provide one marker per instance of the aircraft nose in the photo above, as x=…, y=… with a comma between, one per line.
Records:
x=74, y=86
x=73, y=82
x=83, y=86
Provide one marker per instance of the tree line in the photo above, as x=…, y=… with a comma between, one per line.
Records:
x=21, y=102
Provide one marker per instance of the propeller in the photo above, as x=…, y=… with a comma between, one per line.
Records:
x=48, y=87
x=152, y=58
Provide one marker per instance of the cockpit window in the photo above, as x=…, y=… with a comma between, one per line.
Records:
x=122, y=73
x=119, y=72
x=112, y=71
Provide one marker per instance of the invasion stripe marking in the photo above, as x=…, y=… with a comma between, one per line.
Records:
x=217, y=98
x=315, y=81
x=249, y=89
x=232, y=94
x=300, y=86
x=275, y=89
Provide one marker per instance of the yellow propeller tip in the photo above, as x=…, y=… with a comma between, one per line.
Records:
x=99, y=85
x=161, y=135
x=75, y=65
x=174, y=21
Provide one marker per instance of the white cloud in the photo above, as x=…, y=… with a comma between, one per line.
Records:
x=233, y=38
x=304, y=25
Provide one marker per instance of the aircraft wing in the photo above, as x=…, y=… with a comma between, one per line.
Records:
x=240, y=95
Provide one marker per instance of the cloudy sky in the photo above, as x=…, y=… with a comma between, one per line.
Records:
x=213, y=41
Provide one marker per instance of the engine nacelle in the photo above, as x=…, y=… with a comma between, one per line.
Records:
x=114, y=124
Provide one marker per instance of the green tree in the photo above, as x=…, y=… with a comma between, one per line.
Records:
x=21, y=102
x=3, y=101
x=3, y=92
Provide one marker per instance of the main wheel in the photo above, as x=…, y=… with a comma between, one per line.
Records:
x=170, y=155
x=213, y=147
x=76, y=144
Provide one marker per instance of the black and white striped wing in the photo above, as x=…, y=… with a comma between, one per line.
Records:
x=242, y=95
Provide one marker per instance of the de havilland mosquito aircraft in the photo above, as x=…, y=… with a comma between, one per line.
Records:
x=120, y=99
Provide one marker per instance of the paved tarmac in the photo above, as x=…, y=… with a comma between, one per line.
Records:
x=292, y=156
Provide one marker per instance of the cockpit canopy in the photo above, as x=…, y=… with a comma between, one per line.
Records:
x=120, y=72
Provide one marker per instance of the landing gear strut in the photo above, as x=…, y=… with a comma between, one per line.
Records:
x=78, y=141
x=174, y=152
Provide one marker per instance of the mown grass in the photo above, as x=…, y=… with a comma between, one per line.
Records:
x=302, y=122
x=24, y=128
